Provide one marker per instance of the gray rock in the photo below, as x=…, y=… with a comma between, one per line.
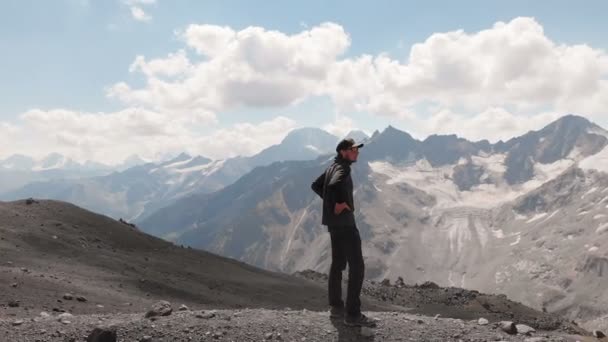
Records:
x=482, y=321
x=524, y=329
x=146, y=338
x=205, y=315
x=13, y=303
x=68, y=296
x=81, y=299
x=102, y=335
x=268, y=336
x=598, y=334
x=18, y=322
x=161, y=308
x=183, y=308
x=508, y=327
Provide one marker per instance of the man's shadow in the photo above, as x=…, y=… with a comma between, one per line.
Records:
x=350, y=334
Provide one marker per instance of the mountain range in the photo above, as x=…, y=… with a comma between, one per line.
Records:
x=138, y=191
x=527, y=217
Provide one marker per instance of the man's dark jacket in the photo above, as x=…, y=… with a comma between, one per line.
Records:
x=335, y=185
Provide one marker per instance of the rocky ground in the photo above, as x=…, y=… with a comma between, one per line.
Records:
x=65, y=271
x=262, y=325
x=431, y=300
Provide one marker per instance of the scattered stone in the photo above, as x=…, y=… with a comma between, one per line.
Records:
x=68, y=296
x=385, y=282
x=13, y=303
x=183, y=308
x=102, y=335
x=18, y=322
x=437, y=316
x=44, y=314
x=524, y=329
x=482, y=321
x=65, y=315
x=81, y=299
x=205, y=315
x=508, y=327
x=269, y=336
x=30, y=201
x=14, y=285
x=400, y=282
x=161, y=308
x=598, y=334
x=146, y=338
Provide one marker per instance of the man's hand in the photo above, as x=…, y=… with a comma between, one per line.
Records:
x=340, y=207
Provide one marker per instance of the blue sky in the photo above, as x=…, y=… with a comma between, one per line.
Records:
x=66, y=55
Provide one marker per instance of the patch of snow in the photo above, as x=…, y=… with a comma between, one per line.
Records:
x=598, y=161
x=593, y=249
x=584, y=212
x=598, y=216
x=517, y=240
x=550, y=216
x=494, y=162
x=536, y=217
x=602, y=228
x=499, y=234
x=205, y=169
x=178, y=163
x=439, y=183
x=313, y=148
x=482, y=232
x=594, y=189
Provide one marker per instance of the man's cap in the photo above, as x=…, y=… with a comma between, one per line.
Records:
x=345, y=144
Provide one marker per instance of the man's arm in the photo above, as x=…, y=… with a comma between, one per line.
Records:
x=336, y=184
x=317, y=185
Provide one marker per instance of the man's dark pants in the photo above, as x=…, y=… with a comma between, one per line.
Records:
x=346, y=248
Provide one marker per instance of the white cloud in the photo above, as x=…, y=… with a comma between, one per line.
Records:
x=245, y=139
x=137, y=11
x=112, y=137
x=175, y=64
x=139, y=14
x=341, y=126
x=253, y=67
x=510, y=65
x=493, y=124
x=492, y=84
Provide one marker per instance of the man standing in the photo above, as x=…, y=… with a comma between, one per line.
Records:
x=335, y=187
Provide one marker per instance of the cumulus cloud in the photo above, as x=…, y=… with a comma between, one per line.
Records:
x=491, y=84
x=245, y=139
x=112, y=137
x=493, y=124
x=253, y=67
x=510, y=65
x=136, y=8
x=341, y=126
